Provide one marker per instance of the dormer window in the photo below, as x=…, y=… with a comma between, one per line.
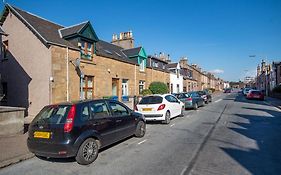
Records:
x=142, y=65
x=87, y=50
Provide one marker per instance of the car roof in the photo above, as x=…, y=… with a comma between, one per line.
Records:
x=83, y=101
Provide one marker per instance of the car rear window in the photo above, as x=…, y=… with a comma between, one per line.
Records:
x=52, y=115
x=151, y=100
x=256, y=92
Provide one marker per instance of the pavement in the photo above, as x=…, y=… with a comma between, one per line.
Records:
x=13, y=149
x=273, y=101
x=231, y=135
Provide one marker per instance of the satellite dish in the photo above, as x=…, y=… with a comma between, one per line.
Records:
x=77, y=62
x=77, y=67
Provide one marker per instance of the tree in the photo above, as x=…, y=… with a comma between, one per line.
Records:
x=158, y=88
x=146, y=92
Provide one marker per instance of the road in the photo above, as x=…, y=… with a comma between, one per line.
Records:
x=229, y=136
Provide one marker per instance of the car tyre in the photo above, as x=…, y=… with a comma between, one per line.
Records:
x=87, y=152
x=182, y=110
x=167, y=118
x=140, y=130
x=195, y=106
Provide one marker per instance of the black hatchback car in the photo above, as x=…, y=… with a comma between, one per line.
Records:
x=80, y=129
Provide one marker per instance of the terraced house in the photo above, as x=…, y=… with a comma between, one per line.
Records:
x=49, y=63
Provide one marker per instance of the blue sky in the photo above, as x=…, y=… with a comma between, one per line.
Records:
x=215, y=34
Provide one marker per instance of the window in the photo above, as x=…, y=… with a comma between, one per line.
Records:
x=125, y=87
x=4, y=49
x=172, y=88
x=155, y=64
x=178, y=88
x=85, y=115
x=141, y=86
x=99, y=110
x=87, y=50
x=184, y=89
x=171, y=99
x=142, y=64
x=118, y=109
x=151, y=100
x=88, y=87
x=178, y=73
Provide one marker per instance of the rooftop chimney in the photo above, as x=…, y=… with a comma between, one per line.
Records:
x=125, y=40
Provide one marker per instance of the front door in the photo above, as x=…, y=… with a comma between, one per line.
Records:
x=115, y=87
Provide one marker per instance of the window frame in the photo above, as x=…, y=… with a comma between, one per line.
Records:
x=112, y=111
x=86, y=88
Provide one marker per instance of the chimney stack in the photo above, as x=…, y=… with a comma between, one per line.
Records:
x=125, y=40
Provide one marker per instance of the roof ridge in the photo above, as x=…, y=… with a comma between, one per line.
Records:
x=132, y=48
x=74, y=25
x=16, y=8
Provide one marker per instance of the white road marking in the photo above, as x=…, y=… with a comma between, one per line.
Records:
x=142, y=142
x=218, y=100
x=172, y=125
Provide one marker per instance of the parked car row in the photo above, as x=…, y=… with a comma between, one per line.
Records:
x=250, y=93
x=80, y=129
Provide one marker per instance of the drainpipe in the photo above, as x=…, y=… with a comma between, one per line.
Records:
x=67, y=75
x=135, y=79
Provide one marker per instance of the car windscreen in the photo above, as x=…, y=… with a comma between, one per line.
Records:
x=184, y=95
x=55, y=114
x=151, y=100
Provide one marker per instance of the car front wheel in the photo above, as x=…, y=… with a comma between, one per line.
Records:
x=88, y=152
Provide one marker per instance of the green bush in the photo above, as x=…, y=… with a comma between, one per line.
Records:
x=158, y=88
x=146, y=92
x=212, y=90
x=277, y=89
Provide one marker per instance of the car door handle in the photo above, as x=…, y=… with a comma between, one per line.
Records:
x=118, y=121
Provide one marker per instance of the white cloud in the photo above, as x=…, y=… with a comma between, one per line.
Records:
x=217, y=71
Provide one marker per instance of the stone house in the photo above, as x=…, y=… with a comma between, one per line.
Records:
x=49, y=63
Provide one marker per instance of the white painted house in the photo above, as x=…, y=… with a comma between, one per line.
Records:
x=176, y=79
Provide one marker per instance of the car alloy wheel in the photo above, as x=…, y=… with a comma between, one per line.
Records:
x=88, y=152
x=167, y=117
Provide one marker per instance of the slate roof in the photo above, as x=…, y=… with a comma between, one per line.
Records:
x=45, y=30
x=131, y=52
x=112, y=51
x=172, y=65
x=72, y=29
x=51, y=33
x=158, y=59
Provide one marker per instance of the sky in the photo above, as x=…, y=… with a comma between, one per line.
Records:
x=217, y=35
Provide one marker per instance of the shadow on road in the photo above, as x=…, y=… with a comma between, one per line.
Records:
x=266, y=131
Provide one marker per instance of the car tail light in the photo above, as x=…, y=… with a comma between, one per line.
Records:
x=136, y=108
x=189, y=99
x=70, y=119
x=161, y=107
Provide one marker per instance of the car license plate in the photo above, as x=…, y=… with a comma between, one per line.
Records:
x=146, y=109
x=43, y=135
x=256, y=96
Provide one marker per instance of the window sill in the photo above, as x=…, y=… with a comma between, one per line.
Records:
x=87, y=61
